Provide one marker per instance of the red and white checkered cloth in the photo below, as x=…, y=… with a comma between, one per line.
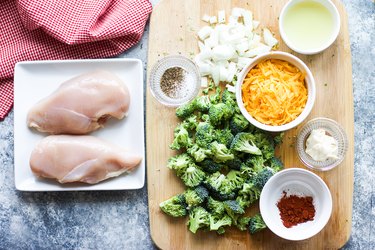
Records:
x=66, y=29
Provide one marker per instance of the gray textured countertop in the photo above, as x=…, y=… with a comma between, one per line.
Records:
x=119, y=220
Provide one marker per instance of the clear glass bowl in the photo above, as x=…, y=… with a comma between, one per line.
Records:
x=187, y=91
x=333, y=129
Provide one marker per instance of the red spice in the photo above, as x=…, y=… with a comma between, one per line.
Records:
x=295, y=209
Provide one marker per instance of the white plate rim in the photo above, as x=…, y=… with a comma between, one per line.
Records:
x=55, y=187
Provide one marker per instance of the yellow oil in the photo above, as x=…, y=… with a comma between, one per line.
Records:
x=308, y=25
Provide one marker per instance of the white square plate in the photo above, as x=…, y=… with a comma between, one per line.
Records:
x=36, y=80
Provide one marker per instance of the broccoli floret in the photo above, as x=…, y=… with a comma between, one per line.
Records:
x=224, y=136
x=220, y=152
x=215, y=98
x=186, y=110
x=198, y=218
x=174, y=206
x=244, y=142
x=229, y=98
x=205, y=134
x=198, y=153
x=238, y=124
x=181, y=138
x=234, y=180
x=256, y=224
x=233, y=209
x=211, y=86
x=243, y=201
x=276, y=164
x=219, y=113
x=278, y=139
x=196, y=196
x=215, y=180
x=256, y=162
x=215, y=207
x=210, y=166
x=263, y=176
x=202, y=103
x=213, y=183
x=193, y=176
x=190, y=123
x=248, y=195
x=266, y=145
x=243, y=223
x=180, y=163
x=217, y=222
x=234, y=164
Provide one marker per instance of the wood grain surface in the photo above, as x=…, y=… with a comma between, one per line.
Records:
x=173, y=28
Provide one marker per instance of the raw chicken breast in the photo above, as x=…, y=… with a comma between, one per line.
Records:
x=69, y=158
x=81, y=105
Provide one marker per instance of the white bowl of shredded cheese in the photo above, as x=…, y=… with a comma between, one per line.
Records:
x=276, y=91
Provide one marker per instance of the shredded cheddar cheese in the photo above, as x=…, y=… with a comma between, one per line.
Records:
x=274, y=92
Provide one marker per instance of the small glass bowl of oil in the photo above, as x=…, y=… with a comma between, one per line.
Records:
x=309, y=26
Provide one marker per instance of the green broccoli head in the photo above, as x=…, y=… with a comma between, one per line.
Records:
x=262, y=177
x=229, y=98
x=243, y=201
x=186, y=110
x=190, y=123
x=217, y=221
x=276, y=164
x=193, y=176
x=215, y=207
x=214, y=185
x=205, y=134
x=220, y=112
x=174, y=206
x=243, y=223
x=256, y=162
x=215, y=98
x=198, y=218
x=233, y=209
x=196, y=196
x=248, y=194
x=256, y=224
x=234, y=164
x=224, y=136
x=266, y=145
x=181, y=138
x=238, y=124
x=180, y=163
x=198, y=153
x=278, y=139
x=244, y=142
x=202, y=103
x=234, y=179
x=220, y=152
x=210, y=166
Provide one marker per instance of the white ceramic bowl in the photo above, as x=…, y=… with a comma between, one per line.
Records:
x=328, y=41
x=309, y=80
x=300, y=182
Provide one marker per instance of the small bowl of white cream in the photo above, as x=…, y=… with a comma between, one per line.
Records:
x=321, y=144
x=309, y=26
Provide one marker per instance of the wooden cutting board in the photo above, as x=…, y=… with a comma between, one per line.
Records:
x=173, y=28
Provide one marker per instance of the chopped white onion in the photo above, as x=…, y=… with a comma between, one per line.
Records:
x=204, y=82
x=225, y=48
x=213, y=20
x=221, y=16
x=268, y=38
x=206, y=18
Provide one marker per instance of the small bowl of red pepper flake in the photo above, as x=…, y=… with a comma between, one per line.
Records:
x=295, y=204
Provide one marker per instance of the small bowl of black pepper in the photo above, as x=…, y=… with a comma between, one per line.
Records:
x=174, y=80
